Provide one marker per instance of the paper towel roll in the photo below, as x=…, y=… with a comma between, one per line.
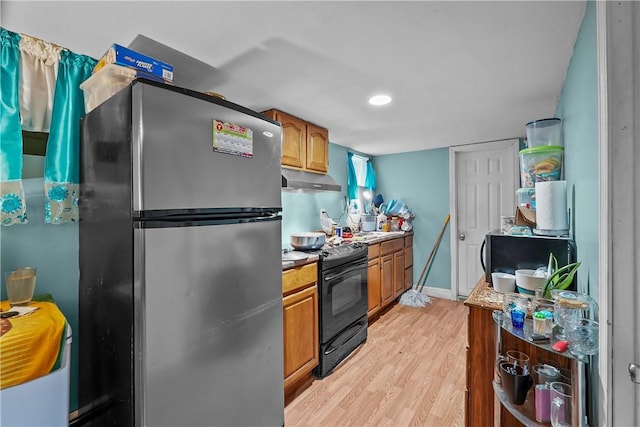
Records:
x=551, y=205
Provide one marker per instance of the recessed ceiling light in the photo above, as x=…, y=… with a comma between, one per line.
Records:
x=379, y=100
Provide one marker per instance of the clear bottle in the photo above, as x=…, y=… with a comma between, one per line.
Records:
x=382, y=219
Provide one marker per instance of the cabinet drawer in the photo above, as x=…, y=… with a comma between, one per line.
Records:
x=391, y=246
x=408, y=241
x=299, y=278
x=374, y=250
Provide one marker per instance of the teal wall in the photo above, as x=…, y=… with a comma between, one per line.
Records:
x=53, y=250
x=421, y=180
x=578, y=109
x=301, y=211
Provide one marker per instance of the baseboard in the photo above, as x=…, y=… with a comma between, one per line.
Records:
x=437, y=292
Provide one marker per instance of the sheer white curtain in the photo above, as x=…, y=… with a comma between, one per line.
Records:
x=38, y=73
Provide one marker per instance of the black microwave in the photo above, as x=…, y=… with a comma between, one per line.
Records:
x=506, y=253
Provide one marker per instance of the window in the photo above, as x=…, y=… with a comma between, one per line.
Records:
x=361, y=183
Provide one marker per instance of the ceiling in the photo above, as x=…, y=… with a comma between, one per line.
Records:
x=458, y=72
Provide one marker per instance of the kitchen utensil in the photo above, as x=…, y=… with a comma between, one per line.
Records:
x=368, y=222
x=503, y=282
x=20, y=285
x=514, y=301
x=307, y=241
x=516, y=382
x=544, y=132
x=569, y=305
x=518, y=358
x=326, y=223
x=582, y=335
x=530, y=280
x=541, y=163
x=506, y=223
x=542, y=402
x=517, y=318
x=561, y=411
x=414, y=296
x=546, y=374
x=378, y=200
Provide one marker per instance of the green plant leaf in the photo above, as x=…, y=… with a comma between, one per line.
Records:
x=560, y=279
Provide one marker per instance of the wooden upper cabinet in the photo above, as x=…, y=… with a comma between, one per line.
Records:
x=305, y=146
x=317, y=149
x=294, y=140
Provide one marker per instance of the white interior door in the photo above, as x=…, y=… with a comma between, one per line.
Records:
x=484, y=180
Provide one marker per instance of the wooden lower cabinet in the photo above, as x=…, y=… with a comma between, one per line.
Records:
x=300, y=322
x=398, y=273
x=479, y=397
x=373, y=286
x=482, y=408
x=387, y=287
x=388, y=274
x=408, y=262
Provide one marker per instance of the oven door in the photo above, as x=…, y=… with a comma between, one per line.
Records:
x=343, y=298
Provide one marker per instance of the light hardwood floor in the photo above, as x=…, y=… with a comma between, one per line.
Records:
x=410, y=372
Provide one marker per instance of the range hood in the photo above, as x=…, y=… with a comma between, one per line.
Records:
x=295, y=180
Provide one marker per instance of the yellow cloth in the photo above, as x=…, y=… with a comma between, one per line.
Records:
x=31, y=347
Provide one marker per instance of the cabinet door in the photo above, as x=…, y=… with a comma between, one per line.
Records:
x=317, y=149
x=408, y=266
x=373, y=286
x=408, y=277
x=294, y=139
x=386, y=278
x=300, y=315
x=398, y=272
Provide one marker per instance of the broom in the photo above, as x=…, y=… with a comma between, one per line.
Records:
x=414, y=296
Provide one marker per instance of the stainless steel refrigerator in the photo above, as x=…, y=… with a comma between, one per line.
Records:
x=180, y=295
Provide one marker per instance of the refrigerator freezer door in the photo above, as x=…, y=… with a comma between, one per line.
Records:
x=175, y=165
x=209, y=334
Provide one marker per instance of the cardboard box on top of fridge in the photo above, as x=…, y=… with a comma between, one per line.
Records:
x=147, y=66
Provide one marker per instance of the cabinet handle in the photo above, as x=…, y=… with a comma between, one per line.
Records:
x=634, y=370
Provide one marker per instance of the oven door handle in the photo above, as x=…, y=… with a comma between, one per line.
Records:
x=355, y=326
x=354, y=267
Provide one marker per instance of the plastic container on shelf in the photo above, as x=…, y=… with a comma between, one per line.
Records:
x=105, y=83
x=49, y=394
x=542, y=163
x=544, y=132
x=526, y=197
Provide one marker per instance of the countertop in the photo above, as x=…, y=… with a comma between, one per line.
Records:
x=369, y=238
x=286, y=265
x=484, y=296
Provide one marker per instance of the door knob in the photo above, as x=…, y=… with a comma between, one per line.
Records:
x=634, y=370
x=461, y=236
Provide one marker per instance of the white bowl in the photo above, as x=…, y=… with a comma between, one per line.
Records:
x=527, y=279
x=503, y=282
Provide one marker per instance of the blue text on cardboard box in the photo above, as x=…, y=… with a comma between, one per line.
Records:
x=150, y=67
